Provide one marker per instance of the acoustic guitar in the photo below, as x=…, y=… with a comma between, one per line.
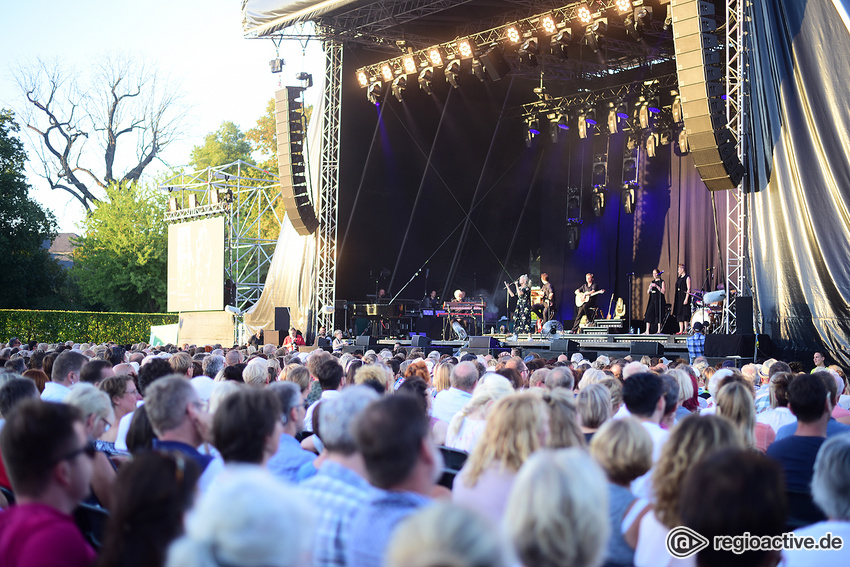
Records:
x=583, y=297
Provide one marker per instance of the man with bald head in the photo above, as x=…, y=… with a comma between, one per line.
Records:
x=448, y=402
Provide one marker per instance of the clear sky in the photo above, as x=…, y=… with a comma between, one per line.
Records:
x=198, y=44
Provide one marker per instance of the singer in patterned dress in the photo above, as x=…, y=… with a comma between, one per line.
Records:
x=522, y=313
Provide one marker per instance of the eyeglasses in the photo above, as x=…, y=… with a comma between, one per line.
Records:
x=90, y=449
x=106, y=424
x=131, y=392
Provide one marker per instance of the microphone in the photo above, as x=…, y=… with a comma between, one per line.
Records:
x=630, y=274
x=661, y=272
x=710, y=269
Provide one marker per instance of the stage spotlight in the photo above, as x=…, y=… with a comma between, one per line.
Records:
x=613, y=121
x=512, y=34
x=637, y=20
x=465, y=48
x=276, y=65
x=644, y=116
x=398, y=87
x=387, y=72
x=652, y=105
x=478, y=70
x=426, y=78
x=548, y=25
x=583, y=13
x=453, y=72
x=375, y=93
x=573, y=202
x=173, y=207
x=362, y=78
x=528, y=52
x=676, y=108
x=408, y=63
x=682, y=146
x=586, y=122
x=573, y=233
x=599, y=174
x=623, y=6
x=598, y=200
x=628, y=196
x=651, y=144
x=436, y=56
x=532, y=129
x=594, y=32
x=560, y=42
x=631, y=155
x=668, y=19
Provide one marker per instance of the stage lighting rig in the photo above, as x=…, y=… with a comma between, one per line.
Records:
x=276, y=65
x=573, y=233
x=436, y=56
x=305, y=78
x=547, y=25
x=594, y=32
x=623, y=6
x=387, y=72
x=532, y=124
x=637, y=20
x=375, y=93
x=598, y=200
x=559, y=43
x=528, y=51
x=408, y=63
x=362, y=78
x=558, y=122
x=629, y=197
x=453, y=73
x=573, y=202
x=681, y=146
x=583, y=13
x=398, y=87
x=426, y=80
x=513, y=35
x=465, y=48
x=478, y=70
x=586, y=122
x=651, y=144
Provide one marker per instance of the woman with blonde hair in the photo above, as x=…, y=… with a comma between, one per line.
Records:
x=615, y=387
x=623, y=448
x=594, y=408
x=564, y=431
x=298, y=374
x=691, y=440
x=518, y=425
x=442, y=376
x=468, y=424
x=557, y=513
x=688, y=402
x=736, y=403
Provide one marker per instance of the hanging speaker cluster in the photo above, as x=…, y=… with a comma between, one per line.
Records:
x=698, y=67
x=289, y=116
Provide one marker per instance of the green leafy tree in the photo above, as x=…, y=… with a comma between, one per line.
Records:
x=29, y=278
x=263, y=136
x=225, y=145
x=120, y=264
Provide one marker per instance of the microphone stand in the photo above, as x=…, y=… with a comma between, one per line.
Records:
x=630, y=278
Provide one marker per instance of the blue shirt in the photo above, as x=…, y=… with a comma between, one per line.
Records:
x=373, y=526
x=832, y=428
x=289, y=458
x=336, y=493
x=449, y=402
x=696, y=346
x=188, y=450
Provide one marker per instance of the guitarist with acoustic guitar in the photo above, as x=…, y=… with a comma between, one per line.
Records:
x=586, y=301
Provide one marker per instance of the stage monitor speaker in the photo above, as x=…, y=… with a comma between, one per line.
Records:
x=648, y=348
x=272, y=337
x=483, y=342
x=294, y=191
x=699, y=75
x=564, y=346
x=281, y=319
x=420, y=341
x=744, y=315
x=367, y=341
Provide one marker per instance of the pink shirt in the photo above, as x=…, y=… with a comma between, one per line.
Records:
x=37, y=535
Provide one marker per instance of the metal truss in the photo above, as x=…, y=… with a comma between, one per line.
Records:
x=735, y=203
x=326, y=235
x=249, y=198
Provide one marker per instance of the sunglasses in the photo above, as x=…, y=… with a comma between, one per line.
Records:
x=90, y=449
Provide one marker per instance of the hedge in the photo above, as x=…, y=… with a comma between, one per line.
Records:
x=79, y=326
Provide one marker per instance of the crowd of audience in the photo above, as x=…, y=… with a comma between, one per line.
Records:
x=259, y=456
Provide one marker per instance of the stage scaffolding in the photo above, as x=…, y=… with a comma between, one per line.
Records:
x=249, y=199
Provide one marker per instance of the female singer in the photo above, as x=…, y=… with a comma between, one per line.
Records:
x=682, y=301
x=655, y=306
x=522, y=314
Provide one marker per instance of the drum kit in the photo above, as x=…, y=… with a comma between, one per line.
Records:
x=708, y=309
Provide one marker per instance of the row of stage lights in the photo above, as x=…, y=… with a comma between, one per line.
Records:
x=528, y=37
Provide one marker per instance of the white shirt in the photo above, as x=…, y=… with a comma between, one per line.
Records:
x=651, y=550
x=449, y=402
x=124, y=427
x=55, y=392
x=642, y=485
x=308, y=417
x=776, y=418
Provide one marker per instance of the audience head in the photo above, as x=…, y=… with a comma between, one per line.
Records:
x=560, y=377
x=98, y=415
x=173, y=405
x=493, y=387
x=557, y=512
x=140, y=435
x=213, y=364
x=96, y=370
x=339, y=413
x=831, y=480
x=327, y=370
x=732, y=492
x=807, y=397
x=67, y=366
x=14, y=392
x=564, y=430
x=464, y=376
x=180, y=363
x=643, y=394
x=247, y=426
x=152, y=370
x=256, y=373
x=623, y=448
x=594, y=405
x=291, y=405
x=735, y=402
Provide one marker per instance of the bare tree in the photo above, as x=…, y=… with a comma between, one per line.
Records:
x=121, y=104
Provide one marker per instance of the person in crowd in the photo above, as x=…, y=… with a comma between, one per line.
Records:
x=735, y=492
x=152, y=370
x=13, y=393
x=643, y=397
x=325, y=368
x=247, y=427
x=445, y=534
x=96, y=370
x=557, y=513
x=831, y=492
x=696, y=342
x=690, y=441
x=735, y=402
x=293, y=340
x=820, y=362
x=38, y=376
x=178, y=418
x=833, y=426
x=140, y=435
x=688, y=399
x=339, y=489
x=467, y=425
x=778, y=414
x=290, y=457
x=48, y=457
x=233, y=357
x=623, y=449
x=442, y=376
x=447, y=403
x=64, y=374
x=123, y=394
x=98, y=416
x=181, y=363
x=593, y=404
x=560, y=377
x=517, y=426
x=248, y=519
x=808, y=399
x=256, y=372
x=564, y=430
x=405, y=465
x=151, y=495
x=338, y=342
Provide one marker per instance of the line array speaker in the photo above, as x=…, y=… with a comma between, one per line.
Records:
x=711, y=143
x=289, y=114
